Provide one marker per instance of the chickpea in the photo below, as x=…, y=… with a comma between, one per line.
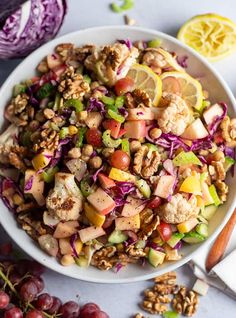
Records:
x=155, y=133
x=87, y=150
x=135, y=145
x=85, y=158
x=48, y=113
x=218, y=155
x=74, y=153
x=95, y=162
x=67, y=260
x=107, y=152
x=72, y=130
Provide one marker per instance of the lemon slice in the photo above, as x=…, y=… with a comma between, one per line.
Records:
x=145, y=79
x=184, y=85
x=210, y=34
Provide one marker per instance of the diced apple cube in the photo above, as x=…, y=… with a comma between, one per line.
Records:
x=93, y=119
x=66, y=229
x=77, y=167
x=65, y=246
x=196, y=130
x=106, y=182
x=140, y=113
x=101, y=201
x=172, y=254
x=91, y=233
x=135, y=129
x=201, y=287
x=211, y=113
x=132, y=207
x=128, y=223
x=93, y=216
x=120, y=175
x=187, y=226
x=164, y=186
x=37, y=186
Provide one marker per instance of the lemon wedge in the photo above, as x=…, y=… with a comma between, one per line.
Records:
x=184, y=85
x=211, y=35
x=144, y=78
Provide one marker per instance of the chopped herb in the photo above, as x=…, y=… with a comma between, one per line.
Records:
x=45, y=91
x=81, y=135
x=108, y=101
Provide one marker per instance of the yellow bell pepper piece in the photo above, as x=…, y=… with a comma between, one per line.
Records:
x=187, y=226
x=40, y=161
x=78, y=246
x=93, y=216
x=120, y=175
x=191, y=185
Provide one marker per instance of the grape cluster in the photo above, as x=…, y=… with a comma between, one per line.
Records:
x=21, y=287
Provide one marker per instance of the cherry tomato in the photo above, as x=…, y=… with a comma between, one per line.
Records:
x=218, y=139
x=94, y=137
x=154, y=203
x=124, y=85
x=165, y=231
x=120, y=160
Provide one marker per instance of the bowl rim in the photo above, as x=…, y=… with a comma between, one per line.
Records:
x=171, y=266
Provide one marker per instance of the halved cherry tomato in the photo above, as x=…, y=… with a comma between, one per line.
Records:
x=154, y=203
x=218, y=139
x=120, y=160
x=113, y=126
x=94, y=137
x=121, y=132
x=124, y=85
x=165, y=231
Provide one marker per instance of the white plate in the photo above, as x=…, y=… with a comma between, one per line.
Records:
x=198, y=67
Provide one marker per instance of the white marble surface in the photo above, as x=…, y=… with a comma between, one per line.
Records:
x=120, y=301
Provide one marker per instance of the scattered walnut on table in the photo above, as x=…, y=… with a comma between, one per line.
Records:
x=168, y=278
x=185, y=302
x=154, y=307
x=146, y=162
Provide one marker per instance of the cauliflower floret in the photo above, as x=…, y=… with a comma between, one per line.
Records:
x=179, y=209
x=7, y=142
x=112, y=63
x=175, y=117
x=65, y=200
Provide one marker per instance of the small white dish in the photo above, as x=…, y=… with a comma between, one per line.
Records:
x=197, y=67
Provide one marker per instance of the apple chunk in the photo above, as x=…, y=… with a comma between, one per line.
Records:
x=196, y=130
x=211, y=113
x=140, y=113
x=135, y=129
x=132, y=207
x=101, y=201
x=164, y=187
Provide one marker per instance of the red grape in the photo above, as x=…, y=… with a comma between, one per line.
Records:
x=70, y=310
x=38, y=282
x=124, y=85
x=56, y=305
x=120, y=160
x=36, y=269
x=15, y=278
x=164, y=230
x=34, y=314
x=44, y=302
x=14, y=312
x=28, y=291
x=88, y=309
x=4, y=299
x=94, y=137
x=97, y=314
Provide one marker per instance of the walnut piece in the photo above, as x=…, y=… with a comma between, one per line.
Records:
x=228, y=127
x=29, y=224
x=72, y=85
x=48, y=139
x=152, y=295
x=179, y=209
x=102, y=258
x=148, y=229
x=13, y=155
x=138, y=98
x=146, y=217
x=20, y=102
x=146, y=162
x=217, y=171
x=223, y=190
x=175, y=117
x=168, y=278
x=154, y=307
x=185, y=302
x=135, y=253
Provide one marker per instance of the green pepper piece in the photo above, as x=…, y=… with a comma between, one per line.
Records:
x=85, y=188
x=48, y=175
x=108, y=141
x=45, y=91
x=125, y=146
x=19, y=89
x=116, y=116
x=76, y=103
x=81, y=135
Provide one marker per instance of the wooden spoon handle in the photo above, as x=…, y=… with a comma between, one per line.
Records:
x=219, y=246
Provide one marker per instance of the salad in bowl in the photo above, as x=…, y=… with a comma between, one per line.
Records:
x=114, y=154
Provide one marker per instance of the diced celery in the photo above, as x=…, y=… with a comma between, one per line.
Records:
x=120, y=100
x=125, y=146
x=81, y=261
x=154, y=43
x=205, y=103
x=48, y=175
x=87, y=78
x=76, y=103
x=45, y=91
x=116, y=8
x=193, y=238
x=19, y=89
x=109, y=101
x=117, y=237
x=170, y=314
x=202, y=229
x=175, y=238
x=208, y=211
x=56, y=104
x=99, y=72
x=203, y=176
x=85, y=188
x=184, y=158
x=214, y=195
x=128, y=4
x=108, y=141
x=229, y=162
x=80, y=135
x=63, y=132
x=116, y=116
x=144, y=188
x=151, y=147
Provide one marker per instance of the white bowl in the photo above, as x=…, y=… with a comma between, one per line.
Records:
x=198, y=67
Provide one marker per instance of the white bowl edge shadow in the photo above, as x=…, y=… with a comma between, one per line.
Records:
x=198, y=67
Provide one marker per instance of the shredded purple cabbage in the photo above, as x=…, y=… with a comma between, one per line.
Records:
x=178, y=245
x=28, y=184
x=73, y=238
x=127, y=42
x=124, y=187
x=95, y=175
x=123, y=111
x=118, y=267
x=31, y=91
x=202, y=159
x=214, y=125
x=182, y=61
x=59, y=152
x=96, y=105
x=155, y=246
